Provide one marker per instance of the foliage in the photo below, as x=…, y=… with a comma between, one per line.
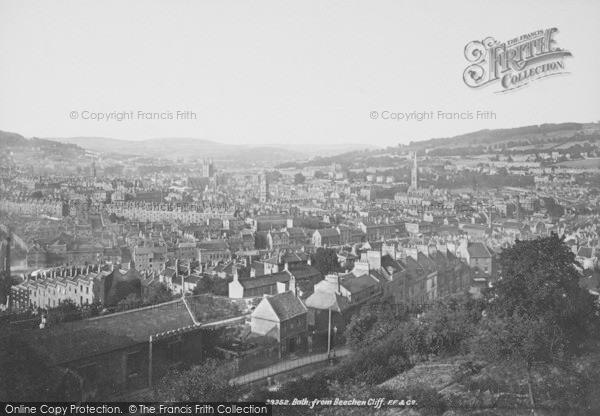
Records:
x=539, y=279
x=299, y=178
x=539, y=312
x=67, y=310
x=208, y=382
x=26, y=375
x=260, y=241
x=131, y=301
x=552, y=208
x=158, y=293
x=443, y=328
x=213, y=284
x=520, y=338
x=122, y=289
x=326, y=261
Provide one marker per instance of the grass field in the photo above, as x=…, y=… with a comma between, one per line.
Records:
x=582, y=163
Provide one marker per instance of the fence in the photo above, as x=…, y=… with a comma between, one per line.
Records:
x=288, y=365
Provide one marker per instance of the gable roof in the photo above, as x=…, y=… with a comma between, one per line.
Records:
x=478, y=250
x=283, y=305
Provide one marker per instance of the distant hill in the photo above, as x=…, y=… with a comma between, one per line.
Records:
x=8, y=139
x=515, y=137
x=179, y=147
x=540, y=138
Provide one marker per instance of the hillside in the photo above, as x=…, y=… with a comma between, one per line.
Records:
x=179, y=147
x=8, y=140
x=536, y=135
x=521, y=140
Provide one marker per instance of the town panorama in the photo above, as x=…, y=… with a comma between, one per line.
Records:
x=455, y=273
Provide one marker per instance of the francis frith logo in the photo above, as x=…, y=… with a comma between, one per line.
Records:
x=514, y=63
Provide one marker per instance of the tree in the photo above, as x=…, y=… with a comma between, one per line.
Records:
x=274, y=176
x=67, y=310
x=122, y=289
x=208, y=382
x=260, y=241
x=299, y=178
x=360, y=325
x=158, y=294
x=326, y=261
x=519, y=339
x=538, y=311
x=131, y=301
x=539, y=278
x=26, y=375
x=204, y=285
x=552, y=208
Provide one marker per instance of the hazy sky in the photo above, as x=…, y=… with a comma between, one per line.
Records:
x=275, y=71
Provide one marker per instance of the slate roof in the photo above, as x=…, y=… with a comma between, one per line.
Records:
x=388, y=261
x=213, y=245
x=265, y=280
x=286, y=305
x=328, y=232
x=306, y=272
x=585, y=252
x=478, y=250
x=357, y=284
x=294, y=257
x=347, y=255
x=79, y=339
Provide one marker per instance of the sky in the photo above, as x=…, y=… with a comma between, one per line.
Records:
x=257, y=72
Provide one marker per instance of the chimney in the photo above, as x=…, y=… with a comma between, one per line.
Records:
x=286, y=267
x=412, y=252
x=234, y=272
x=293, y=287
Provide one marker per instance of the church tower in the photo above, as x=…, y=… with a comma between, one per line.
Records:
x=263, y=184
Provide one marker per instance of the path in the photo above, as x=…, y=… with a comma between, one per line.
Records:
x=283, y=366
